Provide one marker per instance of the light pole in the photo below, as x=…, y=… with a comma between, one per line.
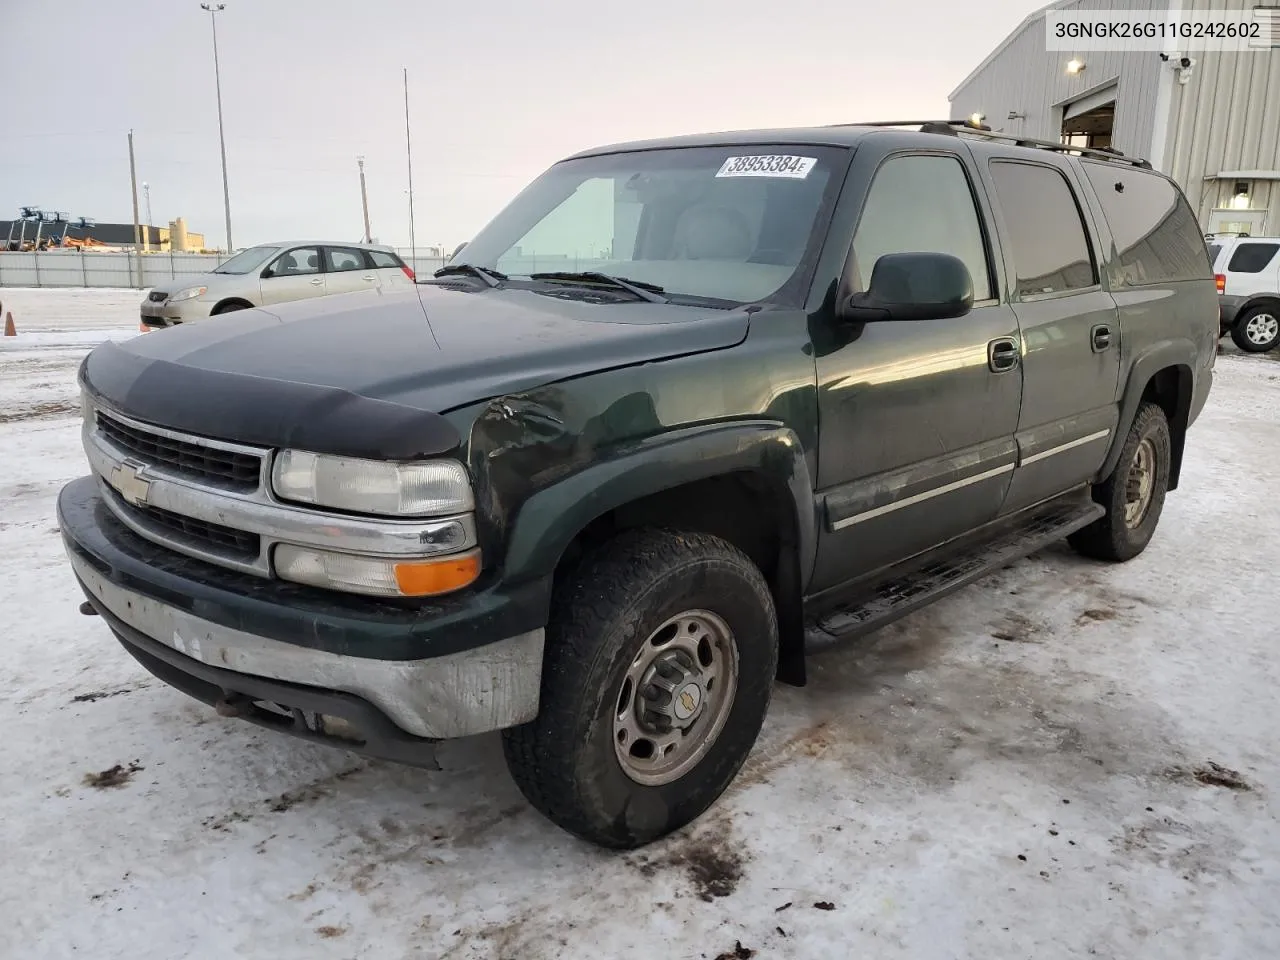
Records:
x=214, y=9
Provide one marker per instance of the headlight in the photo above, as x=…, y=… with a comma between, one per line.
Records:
x=422, y=489
x=188, y=294
x=86, y=405
x=378, y=576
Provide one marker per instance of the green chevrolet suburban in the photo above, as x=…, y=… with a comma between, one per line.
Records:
x=683, y=412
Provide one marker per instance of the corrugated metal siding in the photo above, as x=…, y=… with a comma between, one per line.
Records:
x=1228, y=118
x=1026, y=78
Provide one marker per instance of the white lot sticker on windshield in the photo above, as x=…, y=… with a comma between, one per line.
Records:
x=792, y=168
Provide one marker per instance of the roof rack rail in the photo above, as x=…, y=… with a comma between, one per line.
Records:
x=956, y=128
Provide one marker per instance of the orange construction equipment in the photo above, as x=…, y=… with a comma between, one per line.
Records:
x=9, y=329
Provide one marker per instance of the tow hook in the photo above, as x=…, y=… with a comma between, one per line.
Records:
x=232, y=705
x=88, y=609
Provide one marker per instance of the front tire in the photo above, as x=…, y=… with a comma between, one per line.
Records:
x=1257, y=330
x=661, y=653
x=1133, y=494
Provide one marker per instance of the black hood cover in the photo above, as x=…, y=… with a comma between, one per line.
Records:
x=367, y=375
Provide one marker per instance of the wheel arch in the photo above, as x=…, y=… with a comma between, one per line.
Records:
x=748, y=483
x=1165, y=376
x=225, y=302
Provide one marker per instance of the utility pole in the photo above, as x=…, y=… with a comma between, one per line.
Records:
x=137, y=227
x=364, y=202
x=214, y=9
x=408, y=152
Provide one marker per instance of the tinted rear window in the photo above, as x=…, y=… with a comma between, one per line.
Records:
x=383, y=259
x=1156, y=233
x=1252, y=257
x=1214, y=250
x=1047, y=260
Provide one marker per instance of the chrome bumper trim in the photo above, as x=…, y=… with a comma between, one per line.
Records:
x=457, y=695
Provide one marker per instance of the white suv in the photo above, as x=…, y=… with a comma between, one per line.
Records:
x=1247, y=270
x=274, y=273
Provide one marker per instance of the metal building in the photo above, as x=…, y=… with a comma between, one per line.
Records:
x=1211, y=120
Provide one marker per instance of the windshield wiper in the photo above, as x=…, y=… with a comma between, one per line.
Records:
x=645, y=291
x=491, y=277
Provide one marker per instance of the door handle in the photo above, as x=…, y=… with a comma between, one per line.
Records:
x=368, y=279
x=1101, y=337
x=317, y=281
x=1002, y=354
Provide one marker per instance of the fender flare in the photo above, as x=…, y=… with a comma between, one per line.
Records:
x=1180, y=353
x=548, y=521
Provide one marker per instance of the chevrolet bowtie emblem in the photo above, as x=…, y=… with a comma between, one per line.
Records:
x=128, y=481
x=687, y=701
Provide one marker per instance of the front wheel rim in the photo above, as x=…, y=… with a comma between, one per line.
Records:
x=675, y=697
x=1140, y=484
x=1262, y=329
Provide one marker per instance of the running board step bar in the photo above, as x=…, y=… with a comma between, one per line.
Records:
x=903, y=595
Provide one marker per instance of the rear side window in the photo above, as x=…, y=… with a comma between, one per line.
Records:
x=1252, y=257
x=341, y=260
x=1046, y=234
x=1155, y=232
x=921, y=205
x=1214, y=250
x=383, y=259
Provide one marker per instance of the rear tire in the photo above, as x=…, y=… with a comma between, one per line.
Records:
x=661, y=652
x=1133, y=494
x=1257, y=330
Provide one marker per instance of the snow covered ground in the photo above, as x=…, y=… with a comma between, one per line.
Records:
x=1024, y=770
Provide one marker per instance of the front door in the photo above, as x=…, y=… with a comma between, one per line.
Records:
x=1070, y=328
x=294, y=275
x=917, y=417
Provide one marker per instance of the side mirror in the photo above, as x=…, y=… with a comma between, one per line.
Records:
x=268, y=273
x=913, y=286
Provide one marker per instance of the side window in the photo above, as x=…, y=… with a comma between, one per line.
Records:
x=921, y=204
x=1155, y=232
x=1046, y=233
x=382, y=259
x=1252, y=257
x=339, y=259
x=297, y=263
x=1214, y=250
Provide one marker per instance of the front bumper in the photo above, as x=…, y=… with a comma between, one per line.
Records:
x=232, y=639
x=166, y=314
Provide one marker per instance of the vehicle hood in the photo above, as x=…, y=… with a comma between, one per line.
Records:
x=216, y=282
x=355, y=375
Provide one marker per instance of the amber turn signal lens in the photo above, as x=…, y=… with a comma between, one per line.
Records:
x=424, y=578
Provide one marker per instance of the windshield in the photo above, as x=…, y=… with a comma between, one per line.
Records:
x=735, y=224
x=247, y=260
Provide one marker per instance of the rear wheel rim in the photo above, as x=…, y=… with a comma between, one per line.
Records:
x=675, y=697
x=1262, y=328
x=1140, y=484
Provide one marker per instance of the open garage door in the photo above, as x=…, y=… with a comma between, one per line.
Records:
x=1090, y=120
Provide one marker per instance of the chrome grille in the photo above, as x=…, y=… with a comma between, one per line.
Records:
x=199, y=534
x=221, y=467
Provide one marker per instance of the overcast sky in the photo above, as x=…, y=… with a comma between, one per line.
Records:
x=498, y=91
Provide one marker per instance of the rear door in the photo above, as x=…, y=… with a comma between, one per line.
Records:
x=348, y=269
x=294, y=275
x=1070, y=331
x=392, y=272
